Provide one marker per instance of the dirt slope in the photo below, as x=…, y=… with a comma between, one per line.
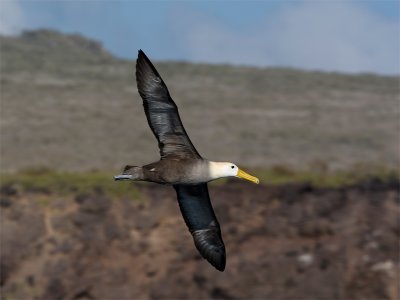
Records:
x=288, y=242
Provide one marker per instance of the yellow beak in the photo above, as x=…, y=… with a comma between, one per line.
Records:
x=244, y=175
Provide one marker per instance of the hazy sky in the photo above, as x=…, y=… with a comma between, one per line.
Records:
x=345, y=36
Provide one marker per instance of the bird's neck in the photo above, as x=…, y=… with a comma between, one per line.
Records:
x=216, y=169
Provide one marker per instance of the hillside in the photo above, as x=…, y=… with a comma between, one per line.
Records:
x=49, y=51
x=68, y=104
x=318, y=226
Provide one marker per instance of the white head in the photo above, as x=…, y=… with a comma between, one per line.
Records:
x=227, y=169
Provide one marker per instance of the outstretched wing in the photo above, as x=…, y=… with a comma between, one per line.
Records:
x=162, y=112
x=197, y=211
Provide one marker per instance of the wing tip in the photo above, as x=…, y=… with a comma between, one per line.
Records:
x=211, y=247
x=143, y=57
x=141, y=53
x=217, y=259
x=222, y=263
x=144, y=67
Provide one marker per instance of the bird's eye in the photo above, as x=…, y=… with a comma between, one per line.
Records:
x=233, y=167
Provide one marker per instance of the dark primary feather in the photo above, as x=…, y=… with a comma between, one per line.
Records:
x=197, y=211
x=161, y=112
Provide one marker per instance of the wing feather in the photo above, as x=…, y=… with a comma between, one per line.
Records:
x=194, y=202
x=162, y=112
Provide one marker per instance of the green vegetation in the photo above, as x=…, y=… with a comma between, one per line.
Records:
x=321, y=178
x=48, y=181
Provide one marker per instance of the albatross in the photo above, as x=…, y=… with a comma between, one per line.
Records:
x=181, y=165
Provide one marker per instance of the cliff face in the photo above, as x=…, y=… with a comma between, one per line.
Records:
x=293, y=241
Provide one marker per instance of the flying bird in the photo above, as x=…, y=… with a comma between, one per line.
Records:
x=181, y=165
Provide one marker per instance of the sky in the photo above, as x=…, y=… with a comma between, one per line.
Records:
x=329, y=35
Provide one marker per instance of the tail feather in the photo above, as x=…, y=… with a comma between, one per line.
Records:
x=130, y=173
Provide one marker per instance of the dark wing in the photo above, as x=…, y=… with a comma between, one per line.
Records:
x=162, y=112
x=199, y=216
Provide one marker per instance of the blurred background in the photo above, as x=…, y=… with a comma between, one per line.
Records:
x=304, y=94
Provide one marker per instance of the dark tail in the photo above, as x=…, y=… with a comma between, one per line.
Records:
x=130, y=173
